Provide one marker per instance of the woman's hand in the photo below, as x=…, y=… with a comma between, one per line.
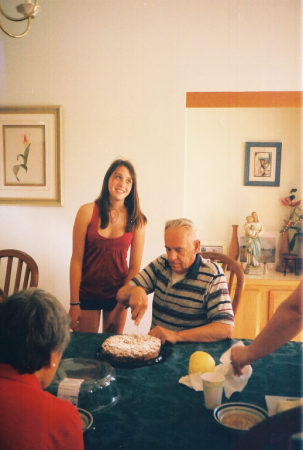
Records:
x=239, y=356
x=75, y=314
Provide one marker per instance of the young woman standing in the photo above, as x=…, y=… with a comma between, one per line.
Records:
x=103, y=232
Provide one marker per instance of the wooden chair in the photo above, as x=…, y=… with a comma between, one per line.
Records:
x=19, y=272
x=235, y=278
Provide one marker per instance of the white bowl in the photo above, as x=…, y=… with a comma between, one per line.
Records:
x=238, y=416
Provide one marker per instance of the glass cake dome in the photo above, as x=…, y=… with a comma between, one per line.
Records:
x=88, y=383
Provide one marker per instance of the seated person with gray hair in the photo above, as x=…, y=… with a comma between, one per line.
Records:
x=34, y=332
x=191, y=299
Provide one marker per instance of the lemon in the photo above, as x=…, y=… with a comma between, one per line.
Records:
x=201, y=362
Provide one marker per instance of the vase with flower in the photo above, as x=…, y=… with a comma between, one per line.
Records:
x=292, y=230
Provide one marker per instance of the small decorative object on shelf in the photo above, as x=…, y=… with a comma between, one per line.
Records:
x=253, y=229
x=291, y=248
x=234, y=248
x=290, y=259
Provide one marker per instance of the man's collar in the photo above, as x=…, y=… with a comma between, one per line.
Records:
x=193, y=270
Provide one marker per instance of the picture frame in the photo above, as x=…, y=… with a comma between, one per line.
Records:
x=31, y=155
x=212, y=248
x=262, y=163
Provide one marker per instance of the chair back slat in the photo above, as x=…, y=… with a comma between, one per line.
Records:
x=19, y=272
x=18, y=275
x=8, y=274
x=231, y=280
x=26, y=278
x=236, y=277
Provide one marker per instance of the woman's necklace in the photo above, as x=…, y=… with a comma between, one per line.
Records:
x=114, y=215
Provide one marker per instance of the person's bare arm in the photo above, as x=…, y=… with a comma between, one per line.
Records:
x=134, y=293
x=210, y=332
x=82, y=220
x=286, y=322
x=136, y=253
x=136, y=298
x=123, y=294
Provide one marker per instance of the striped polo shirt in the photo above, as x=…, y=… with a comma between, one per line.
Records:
x=200, y=297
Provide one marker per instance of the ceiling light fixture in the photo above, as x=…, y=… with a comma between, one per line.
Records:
x=29, y=10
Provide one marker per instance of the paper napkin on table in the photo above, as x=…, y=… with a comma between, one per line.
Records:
x=193, y=381
x=232, y=382
x=276, y=403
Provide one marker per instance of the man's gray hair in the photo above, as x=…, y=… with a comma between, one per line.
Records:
x=182, y=222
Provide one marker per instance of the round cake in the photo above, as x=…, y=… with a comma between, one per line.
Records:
x=131, y=347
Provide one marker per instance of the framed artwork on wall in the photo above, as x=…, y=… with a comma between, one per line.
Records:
x=212, y=248
x=31, y=155
x=262, y=163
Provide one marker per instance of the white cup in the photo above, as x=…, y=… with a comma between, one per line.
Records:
x=213, y=383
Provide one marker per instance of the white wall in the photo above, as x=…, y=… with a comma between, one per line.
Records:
x=121, y=69
x=215, y=168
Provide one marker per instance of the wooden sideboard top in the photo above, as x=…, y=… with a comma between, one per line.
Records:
x=272, y=278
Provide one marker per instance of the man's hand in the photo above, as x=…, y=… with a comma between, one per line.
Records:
x=164, y=334
x=138, y=303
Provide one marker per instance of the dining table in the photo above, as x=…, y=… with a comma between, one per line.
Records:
x=156, y=412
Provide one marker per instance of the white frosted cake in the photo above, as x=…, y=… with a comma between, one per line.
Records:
x=131, y=347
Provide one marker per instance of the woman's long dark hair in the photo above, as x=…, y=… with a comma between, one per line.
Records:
x=135, y=216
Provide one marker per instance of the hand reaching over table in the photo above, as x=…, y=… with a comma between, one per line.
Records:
x=138, y=303
x=286, y=322
x=240, y=358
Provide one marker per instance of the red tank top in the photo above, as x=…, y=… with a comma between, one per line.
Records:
x=104, y=266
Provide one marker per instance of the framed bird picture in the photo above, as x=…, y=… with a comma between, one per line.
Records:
x=31, y=155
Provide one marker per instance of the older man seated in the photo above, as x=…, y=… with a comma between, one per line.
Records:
x=191, y=300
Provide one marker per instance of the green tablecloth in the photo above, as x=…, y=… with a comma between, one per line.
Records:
x=156, y=412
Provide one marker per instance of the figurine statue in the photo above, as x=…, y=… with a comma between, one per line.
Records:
x=253, y=229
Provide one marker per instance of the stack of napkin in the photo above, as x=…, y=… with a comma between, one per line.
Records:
x=232, y=382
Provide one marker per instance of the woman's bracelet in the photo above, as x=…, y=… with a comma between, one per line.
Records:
x=74, y=303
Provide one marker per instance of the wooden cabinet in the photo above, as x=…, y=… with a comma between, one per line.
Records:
x=260, y=299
